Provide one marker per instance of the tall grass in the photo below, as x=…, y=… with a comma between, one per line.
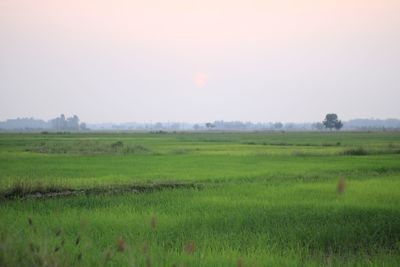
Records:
x=254, y=224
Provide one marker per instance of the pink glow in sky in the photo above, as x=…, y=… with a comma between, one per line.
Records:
x=126, y=60
x=200, y=79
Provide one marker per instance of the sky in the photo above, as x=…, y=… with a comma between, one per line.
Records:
x=197, y=61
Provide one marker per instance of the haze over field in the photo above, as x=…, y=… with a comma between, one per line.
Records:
x=193, y=61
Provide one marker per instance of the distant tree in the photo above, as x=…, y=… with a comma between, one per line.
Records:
x=83, y=126
x=175, y=126
x=278, y=125
x=289, y=125
x=318, y=126
x=331, y=121
x=338, y=125
x=210, y=125
x=158, y=125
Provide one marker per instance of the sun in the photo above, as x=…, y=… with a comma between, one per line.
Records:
x=200, y=79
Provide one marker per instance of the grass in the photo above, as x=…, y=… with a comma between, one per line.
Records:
x=280, y=199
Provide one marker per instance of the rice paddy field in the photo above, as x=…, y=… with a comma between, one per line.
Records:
x=200, y=199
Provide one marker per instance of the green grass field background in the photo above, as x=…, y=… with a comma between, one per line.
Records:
x=262, y=199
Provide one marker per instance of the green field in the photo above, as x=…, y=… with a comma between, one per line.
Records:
x=200, y=199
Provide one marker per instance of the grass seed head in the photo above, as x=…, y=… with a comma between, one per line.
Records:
x=189, y=248
x=121, y=245
x=153, y=222
x=341, y=185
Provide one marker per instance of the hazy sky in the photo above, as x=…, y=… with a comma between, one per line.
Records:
x=266, y=60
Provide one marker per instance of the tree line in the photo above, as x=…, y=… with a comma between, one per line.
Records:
x=60, y=124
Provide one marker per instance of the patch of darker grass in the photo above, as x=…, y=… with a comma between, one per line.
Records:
x=22, y=188
x=355, y=152
x=87, y=147
x=136, y=149
x=360, y=151
x=38, y=190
